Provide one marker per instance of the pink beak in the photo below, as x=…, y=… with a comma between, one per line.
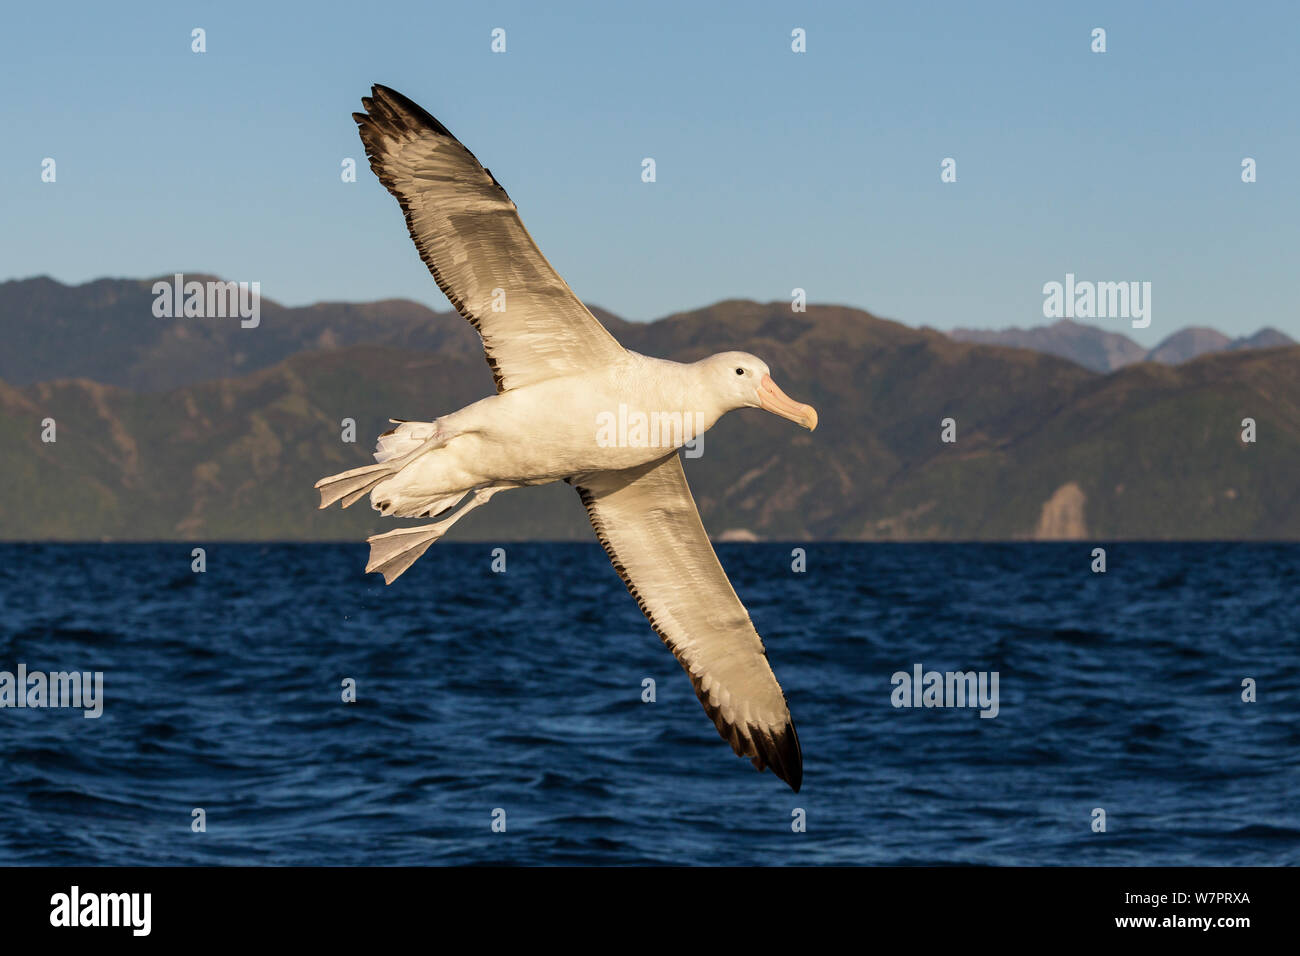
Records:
x=779, y=403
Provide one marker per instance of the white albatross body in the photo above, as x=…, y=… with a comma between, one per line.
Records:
x=573, y=405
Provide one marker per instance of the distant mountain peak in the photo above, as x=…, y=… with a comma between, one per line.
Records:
x=1103, y=351
x=1186, y=344
x=1266, y=338
x=1086, y=345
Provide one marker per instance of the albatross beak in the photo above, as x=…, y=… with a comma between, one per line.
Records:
x=779, y=403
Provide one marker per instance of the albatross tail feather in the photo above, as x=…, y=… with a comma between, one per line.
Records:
x=350, y=486
x=397, y=448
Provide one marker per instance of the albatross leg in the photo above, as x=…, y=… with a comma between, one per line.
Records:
x=393, y=552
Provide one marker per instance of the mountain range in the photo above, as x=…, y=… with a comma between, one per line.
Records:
x=1103, y=351
x=199, y=430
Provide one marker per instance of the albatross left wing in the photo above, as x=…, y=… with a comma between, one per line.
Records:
x=470, y=236
x=647, y=522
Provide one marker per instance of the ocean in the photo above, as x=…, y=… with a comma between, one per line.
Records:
x=516, y=697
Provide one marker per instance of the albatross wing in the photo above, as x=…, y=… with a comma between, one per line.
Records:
x=470, y=236
x=647, y=522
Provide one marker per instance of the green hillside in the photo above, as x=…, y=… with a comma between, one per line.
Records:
x=1044, y=447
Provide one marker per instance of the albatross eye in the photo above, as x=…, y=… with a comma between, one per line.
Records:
x=740, y=371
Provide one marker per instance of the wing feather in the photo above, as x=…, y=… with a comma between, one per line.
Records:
x=648, y=524
x=469, y=234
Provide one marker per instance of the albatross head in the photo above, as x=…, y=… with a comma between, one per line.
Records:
x=745, y=381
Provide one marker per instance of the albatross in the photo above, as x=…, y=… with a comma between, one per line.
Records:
x=561, y=377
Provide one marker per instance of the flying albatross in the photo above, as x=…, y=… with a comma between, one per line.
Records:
x=563, y=382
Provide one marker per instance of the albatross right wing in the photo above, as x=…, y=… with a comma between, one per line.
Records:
x=470, y=236
x=647, y=522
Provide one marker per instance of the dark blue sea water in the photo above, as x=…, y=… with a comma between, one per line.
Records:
x=522, y=691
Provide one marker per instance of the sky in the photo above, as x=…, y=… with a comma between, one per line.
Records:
x=774, y=170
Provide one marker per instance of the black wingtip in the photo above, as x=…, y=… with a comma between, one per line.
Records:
x=780, y=752
x=789, y=765
x=389, y=113
x=385, y=102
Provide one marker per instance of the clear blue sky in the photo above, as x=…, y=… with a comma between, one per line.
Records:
x=775, y=169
